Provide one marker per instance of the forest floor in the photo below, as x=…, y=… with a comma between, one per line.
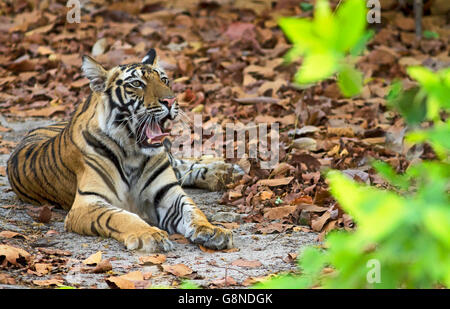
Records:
x=58, y=255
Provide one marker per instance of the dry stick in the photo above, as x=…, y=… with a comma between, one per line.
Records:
x=418, y=11
x=229, y=268
x=278, y=235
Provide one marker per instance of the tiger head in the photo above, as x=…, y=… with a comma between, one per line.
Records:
x=138, y=99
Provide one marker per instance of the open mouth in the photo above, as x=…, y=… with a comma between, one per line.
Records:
x=151, y=133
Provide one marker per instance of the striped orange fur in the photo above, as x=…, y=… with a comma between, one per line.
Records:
x=108, y=166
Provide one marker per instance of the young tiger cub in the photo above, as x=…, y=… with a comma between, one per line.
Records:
x=108, y=165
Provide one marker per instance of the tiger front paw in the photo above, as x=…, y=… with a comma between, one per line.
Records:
x=219, y=174
x=148, y=240
x=212, y=237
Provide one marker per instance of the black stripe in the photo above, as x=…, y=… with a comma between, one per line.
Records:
x=119, y=95
x=60, y=155
x=93, y=229
x=48, y=168
x=17, y=188
x=103, y=150
x=179, y=216
x=86, y=103
x=104, y=176
x=36, y=178
x=170, y=213
x=162, y=192
x=101, y=215
x=155, y=174
x=94, y=193
x=108, y=226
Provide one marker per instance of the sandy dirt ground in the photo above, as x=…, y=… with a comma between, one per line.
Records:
x=272, y=251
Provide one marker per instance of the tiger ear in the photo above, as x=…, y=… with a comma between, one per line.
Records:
x=150, y=58
x=95, y=73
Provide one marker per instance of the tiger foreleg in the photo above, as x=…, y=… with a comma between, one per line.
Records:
x=90, y=215
x=176, y=212
x=212, y=174
x=179, y=214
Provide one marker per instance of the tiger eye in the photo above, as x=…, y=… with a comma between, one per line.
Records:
x=136, y=83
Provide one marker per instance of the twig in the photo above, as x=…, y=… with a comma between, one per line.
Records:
x=418, y=11
x=278, y=235
x=230, y=268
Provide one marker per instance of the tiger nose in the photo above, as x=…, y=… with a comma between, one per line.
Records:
x=168, y=101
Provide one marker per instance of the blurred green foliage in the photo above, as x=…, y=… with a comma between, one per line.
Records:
x=402, y=239
x=328, y=42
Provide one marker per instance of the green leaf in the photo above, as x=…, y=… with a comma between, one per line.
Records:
x=316, y=67
x=423, y=75
x=427, y=34
x=360, y=45
x=284, y=282
x=436, y=86
x=351, y=21
x=186, y=284
x=324, y=24
x=305, y=6
x=349, y=80
x=388, y=173
x=437, y=222
x=376, y=211
x=438, y=137
x=312, y=260
x=409, y=104
x=298, y=30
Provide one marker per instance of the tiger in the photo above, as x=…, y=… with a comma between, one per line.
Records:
x=110, y=166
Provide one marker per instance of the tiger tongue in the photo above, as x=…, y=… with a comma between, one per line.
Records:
x=154, y=133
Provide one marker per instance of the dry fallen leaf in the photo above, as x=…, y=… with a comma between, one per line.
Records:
x=133, y=276
x=119, y=283
x=126, y=281
x=7, y=279
x=207, y=250
x=102, y=267
x=290, y=258
x=253, y=280
x=320, y=222
x=276, y=213
x=154, y=259
x=179, y=270
x=42, y=268
x=10, y=234
x=266, y=195
x=246, y=263
x=93, y=259
x=220, y=283
x=179, y=238
x=12, y=255
x=45, y=214
x=48, y=282
x=270, y=228
x=52, y=251
x=275, y=182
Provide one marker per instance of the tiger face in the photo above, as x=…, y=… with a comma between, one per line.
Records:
x=138, y=97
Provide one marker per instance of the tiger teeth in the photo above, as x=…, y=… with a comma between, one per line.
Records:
x=149, y=141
